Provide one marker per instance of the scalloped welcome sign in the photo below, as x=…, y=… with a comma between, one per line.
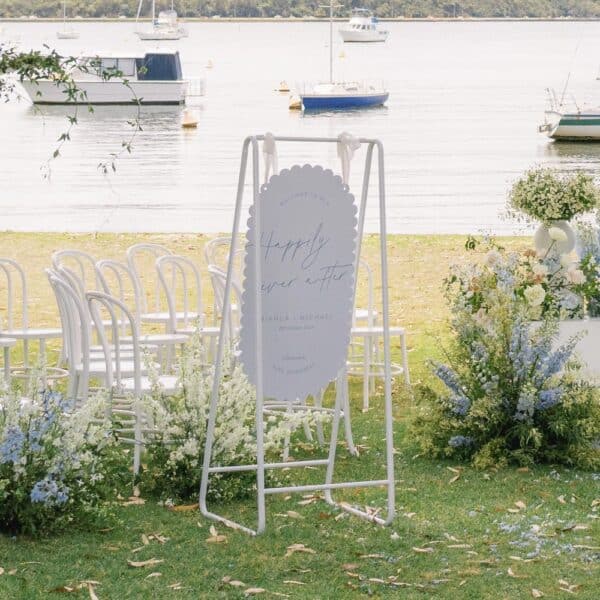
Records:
x=307, y=249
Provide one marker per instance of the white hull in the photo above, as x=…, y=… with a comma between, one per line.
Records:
x=575, y=126
x=157, y=34
x=353, y=35
x=67, y=35
x=110, y=92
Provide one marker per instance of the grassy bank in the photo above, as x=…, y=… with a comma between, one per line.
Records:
x=459, y=533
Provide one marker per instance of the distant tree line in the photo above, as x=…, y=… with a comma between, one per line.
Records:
x=303, y=8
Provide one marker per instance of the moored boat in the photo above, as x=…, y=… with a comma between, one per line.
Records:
x=164, y=27
x=336, y=95
x=67, y=32
x=581, y=124
x=363, y=27
x=340, y=95
x=148, y=78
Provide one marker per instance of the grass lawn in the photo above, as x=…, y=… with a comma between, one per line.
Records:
x=460, y=533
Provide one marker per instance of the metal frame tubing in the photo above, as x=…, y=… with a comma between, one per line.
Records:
x=342, y=399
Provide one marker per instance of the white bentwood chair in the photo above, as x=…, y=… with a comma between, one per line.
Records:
x=17, y=327
x=130, y=386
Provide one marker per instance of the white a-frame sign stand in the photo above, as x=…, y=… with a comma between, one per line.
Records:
x=302, y=253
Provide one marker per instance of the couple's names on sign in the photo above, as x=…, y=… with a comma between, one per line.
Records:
x=307, y=251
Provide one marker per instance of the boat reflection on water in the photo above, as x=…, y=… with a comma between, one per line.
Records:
x=582, y=154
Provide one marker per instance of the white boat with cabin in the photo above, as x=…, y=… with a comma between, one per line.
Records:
x=164, y=27
x=363, y=27
x=148, y=78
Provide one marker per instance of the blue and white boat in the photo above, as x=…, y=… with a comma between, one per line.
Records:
x=339, y=95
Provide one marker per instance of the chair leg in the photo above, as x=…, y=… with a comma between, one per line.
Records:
x=405, y=359
x=319, y=425
x=7, y=365
x=137, y=448
x=347, y=421
x=366, y=372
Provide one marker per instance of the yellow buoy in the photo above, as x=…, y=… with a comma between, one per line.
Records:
x=283, y=87
x=342, y=54
x=189, y=120
x=295, y=103
x=209, y=64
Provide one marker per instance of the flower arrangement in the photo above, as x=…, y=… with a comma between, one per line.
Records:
x=508, y=395
x=175, y=451
x=588, y=242
x=545, y=195
x=548, y=283
x=57, y=467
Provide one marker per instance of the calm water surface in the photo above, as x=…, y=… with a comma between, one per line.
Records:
x=460, y=125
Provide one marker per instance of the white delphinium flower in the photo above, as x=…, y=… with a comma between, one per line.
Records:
x=535, y=295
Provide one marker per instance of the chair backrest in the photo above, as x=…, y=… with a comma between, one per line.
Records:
x=16, y=293
x=76, y=326
x=80, y=263
x=180, y=274
x=216, y=253
x=136, y=255
x=218, y=279
x=123, y=287
x=99, y=303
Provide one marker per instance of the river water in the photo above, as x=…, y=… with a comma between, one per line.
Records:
x=460, y=125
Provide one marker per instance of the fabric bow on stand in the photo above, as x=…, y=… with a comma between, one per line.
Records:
x=270, y=156
x=346, y=147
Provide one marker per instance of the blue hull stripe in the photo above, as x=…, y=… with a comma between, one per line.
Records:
x=333, y=102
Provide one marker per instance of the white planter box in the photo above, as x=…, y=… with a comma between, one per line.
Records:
x=588, y=349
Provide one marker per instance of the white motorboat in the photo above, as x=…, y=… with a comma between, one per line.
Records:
x=164, y=27
x=148, y=78
x=363, y=27
x=67, y=32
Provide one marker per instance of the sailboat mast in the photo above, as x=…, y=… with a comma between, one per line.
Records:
x=330, y=41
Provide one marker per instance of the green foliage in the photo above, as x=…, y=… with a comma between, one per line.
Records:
x=303, y=8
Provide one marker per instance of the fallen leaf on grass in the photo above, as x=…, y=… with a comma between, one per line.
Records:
x=134, y=501
x=254, y=591
x=145, y=539
x=523, y=470
x=233, y=582
x=145, y=563
x=453, y=470
x=459, y=546
x=455, y=478
x=293, y=582
x=215, y=536
x=536, y=593
x=349, y=566
x=184, y=508
x=1, y=571
x=92, y=592
x=152, y=575
x=298, y=548
x=176, y=586
x=520, y=504
x=381, y=556
x=561, y=499
x=423, y=550
x=511, y=573
x=565, y=586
